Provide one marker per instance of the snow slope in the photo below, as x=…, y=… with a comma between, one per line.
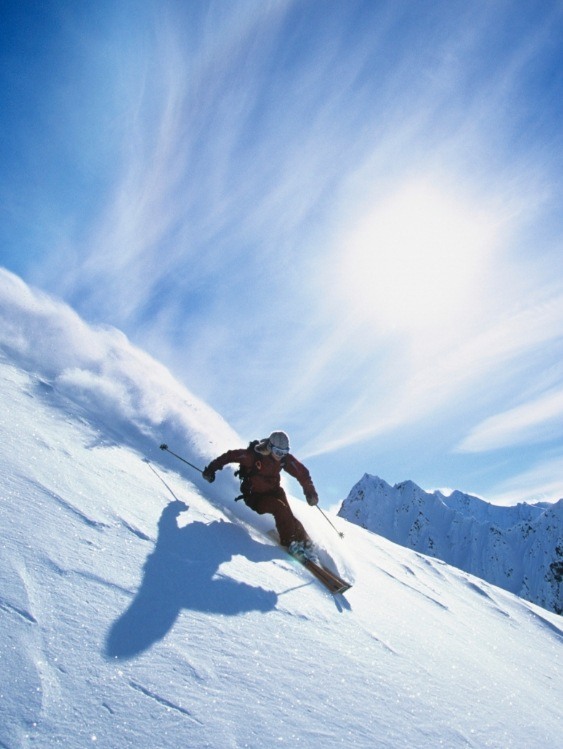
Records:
x=140, y=608
x=518, y=548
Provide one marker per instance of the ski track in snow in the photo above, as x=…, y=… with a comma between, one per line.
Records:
x=493, y=604
x=415, y=590
x=10, y=608
x=544, y=623
x=167, y=704
x=88, y=576
x=66, y=506
x=135, y=531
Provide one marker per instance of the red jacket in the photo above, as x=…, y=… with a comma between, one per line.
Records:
x=263, y=471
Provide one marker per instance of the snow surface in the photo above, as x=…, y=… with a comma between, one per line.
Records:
x=140, y=607
x=519, y=548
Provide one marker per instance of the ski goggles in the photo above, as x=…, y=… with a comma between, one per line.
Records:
x=279, y=452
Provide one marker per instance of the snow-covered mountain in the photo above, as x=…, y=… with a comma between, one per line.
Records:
x=518, y=548
x=141, y=607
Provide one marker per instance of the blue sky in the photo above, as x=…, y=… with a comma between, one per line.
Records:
x=338, y=218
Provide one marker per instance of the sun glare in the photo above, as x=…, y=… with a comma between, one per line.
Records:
x=416, y=260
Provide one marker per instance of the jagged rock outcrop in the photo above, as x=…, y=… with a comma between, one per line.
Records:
x=519, y=548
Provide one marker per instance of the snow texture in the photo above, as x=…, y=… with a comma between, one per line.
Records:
x=140, y=607
x=518, y=548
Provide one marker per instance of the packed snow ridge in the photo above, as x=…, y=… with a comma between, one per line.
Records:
x=518, y=548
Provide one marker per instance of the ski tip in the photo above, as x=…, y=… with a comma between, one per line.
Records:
x=343, y=589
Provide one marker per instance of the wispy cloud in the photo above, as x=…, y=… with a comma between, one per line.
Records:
x=540, y=482
x=536, y=421
x=458, y=375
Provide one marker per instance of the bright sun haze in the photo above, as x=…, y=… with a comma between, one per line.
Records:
x=415, y=261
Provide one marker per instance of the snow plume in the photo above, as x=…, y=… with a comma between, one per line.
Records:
x=116, y=385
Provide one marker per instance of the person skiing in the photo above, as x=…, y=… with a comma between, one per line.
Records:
x=260, y=466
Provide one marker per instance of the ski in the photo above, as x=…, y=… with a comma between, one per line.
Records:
x=332, y=582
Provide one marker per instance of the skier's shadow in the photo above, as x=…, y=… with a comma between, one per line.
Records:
x=181, y=573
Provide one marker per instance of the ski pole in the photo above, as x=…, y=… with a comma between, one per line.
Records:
x=191, y=465
x=329, y=521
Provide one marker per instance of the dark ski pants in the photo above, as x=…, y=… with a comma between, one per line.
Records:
x=275, y=503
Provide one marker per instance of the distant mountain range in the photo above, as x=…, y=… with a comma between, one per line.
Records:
x=518, y=548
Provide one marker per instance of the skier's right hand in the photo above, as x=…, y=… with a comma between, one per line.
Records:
x=312, y=498
x=208, y=474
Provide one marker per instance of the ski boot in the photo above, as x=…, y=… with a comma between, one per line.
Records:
x=303, y=550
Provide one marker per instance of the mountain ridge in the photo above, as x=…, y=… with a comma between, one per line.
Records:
x=518, y=548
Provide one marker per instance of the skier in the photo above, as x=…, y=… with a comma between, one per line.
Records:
x=259, y=472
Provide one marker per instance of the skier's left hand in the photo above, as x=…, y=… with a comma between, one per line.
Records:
x=312, y=498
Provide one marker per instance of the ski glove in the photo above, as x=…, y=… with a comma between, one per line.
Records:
x=208, y=474
x=312, y=498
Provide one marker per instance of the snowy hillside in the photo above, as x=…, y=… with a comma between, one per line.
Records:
x=518, y=548
x=141, y=608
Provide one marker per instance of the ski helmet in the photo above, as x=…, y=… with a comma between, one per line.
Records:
x=279, y=443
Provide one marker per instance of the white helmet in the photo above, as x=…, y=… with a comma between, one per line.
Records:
x=279, y=442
